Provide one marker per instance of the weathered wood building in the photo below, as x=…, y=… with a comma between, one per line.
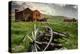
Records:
x=70, y=20
x=28, y=15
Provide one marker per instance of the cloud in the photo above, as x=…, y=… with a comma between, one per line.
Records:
x=75, y=7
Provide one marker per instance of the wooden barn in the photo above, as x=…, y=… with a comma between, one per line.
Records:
x=70, y=20
x=28, y=15
x=23, y=15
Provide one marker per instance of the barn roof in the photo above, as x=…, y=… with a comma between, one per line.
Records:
x=36, y=11
x=22, y=9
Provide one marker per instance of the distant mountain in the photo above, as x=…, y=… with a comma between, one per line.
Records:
x=50, y=16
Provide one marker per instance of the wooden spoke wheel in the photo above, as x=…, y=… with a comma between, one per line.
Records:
x=42, y=38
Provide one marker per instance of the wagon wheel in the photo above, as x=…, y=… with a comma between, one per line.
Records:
x=36, y=42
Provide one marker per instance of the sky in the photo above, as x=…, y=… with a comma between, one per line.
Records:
x=67, y=10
